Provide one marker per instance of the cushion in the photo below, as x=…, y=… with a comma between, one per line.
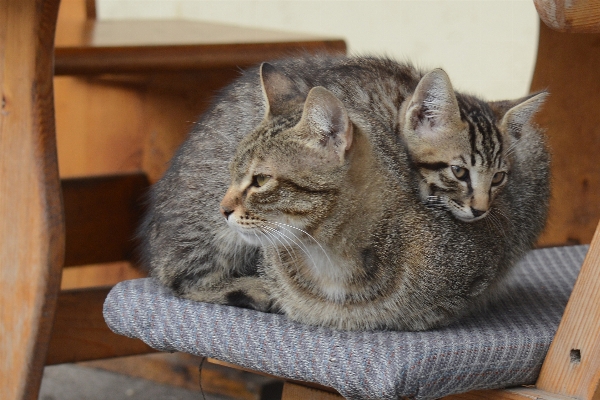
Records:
x=501, y=346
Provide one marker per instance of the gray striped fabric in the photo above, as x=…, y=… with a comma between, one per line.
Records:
x=503, y=346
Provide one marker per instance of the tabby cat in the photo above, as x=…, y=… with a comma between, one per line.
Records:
x=354, y=193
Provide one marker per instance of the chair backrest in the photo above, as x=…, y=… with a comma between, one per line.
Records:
x=31, y=223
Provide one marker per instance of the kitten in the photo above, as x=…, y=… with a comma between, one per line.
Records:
x=363, y=194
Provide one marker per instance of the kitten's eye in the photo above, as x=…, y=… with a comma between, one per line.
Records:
x=260, y=180
x=460, y=172
x=498, y=178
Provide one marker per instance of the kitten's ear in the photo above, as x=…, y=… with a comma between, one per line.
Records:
x=326, y=121
x=279, y=90
x=521, y=113
x=433, y=105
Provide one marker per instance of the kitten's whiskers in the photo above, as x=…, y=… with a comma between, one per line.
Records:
x=435, y=201
x=496, y=223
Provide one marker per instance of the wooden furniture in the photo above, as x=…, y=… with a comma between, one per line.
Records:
x=120, y=109
x=32, y=225
x=568, y=65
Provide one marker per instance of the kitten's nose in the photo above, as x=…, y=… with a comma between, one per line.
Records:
x=226, y=212
x=476, y=212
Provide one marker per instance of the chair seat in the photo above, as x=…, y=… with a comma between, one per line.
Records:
x=502, y=346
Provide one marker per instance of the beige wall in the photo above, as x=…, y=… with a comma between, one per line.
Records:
x=487, y=46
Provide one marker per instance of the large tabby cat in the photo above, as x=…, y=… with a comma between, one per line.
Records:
x=354, y=193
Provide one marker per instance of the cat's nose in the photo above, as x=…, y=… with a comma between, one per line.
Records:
x=476, y=212
x=226, y=212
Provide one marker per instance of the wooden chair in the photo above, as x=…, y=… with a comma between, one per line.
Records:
x=121, y=104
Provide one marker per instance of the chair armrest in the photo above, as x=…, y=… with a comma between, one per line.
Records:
x=572, y=365
x=578, y=16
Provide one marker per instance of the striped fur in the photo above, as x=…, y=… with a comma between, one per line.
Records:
x=355, y=193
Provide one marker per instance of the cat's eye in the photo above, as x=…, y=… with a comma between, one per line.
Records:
x=460, y=172
x=498, y=178
x=260, y=180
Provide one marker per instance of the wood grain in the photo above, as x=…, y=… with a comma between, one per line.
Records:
x=71, y=61
x=576, y=16
x=80, y=333
x=99, y=127
x=293, y=391
x=70, y=12
x=95, y=47
x=183, y=370
x=568, y=66
x=102, y=214
x=31, y=224
x=572, y=365
x=94, y=275
x=519, y=393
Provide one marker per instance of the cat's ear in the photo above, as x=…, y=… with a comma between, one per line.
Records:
x=520, y=113
x=433, y=106
x=279, y=90
x=327, y=123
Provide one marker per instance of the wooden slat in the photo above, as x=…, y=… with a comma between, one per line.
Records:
x=127, y=123
x=90, y=9
x=183, y=370
x=572, y=365
x=94, y=47
x=574, y=16
x=71, y=11
x=293, y=391
x=71, y=61
x=31, y=224
x=101, y=215
x=80, y=333
x=568, y=66
x=95, y=275
x=311, y=385
x=520, y=393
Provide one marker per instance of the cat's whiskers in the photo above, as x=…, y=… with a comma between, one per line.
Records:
x=275, y=235
x=488, y=224
x=310, y=236
x=497, y=223
x=435, y=201
x=499, y=212
x=235, y=253
x=266, y=236
x=298, y=243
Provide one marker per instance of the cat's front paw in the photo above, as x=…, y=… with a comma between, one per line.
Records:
x=251, y=299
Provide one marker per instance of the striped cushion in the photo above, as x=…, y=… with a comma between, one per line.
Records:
x=503, y=346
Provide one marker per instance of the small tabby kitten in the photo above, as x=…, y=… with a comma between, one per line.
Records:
x=363, y=194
